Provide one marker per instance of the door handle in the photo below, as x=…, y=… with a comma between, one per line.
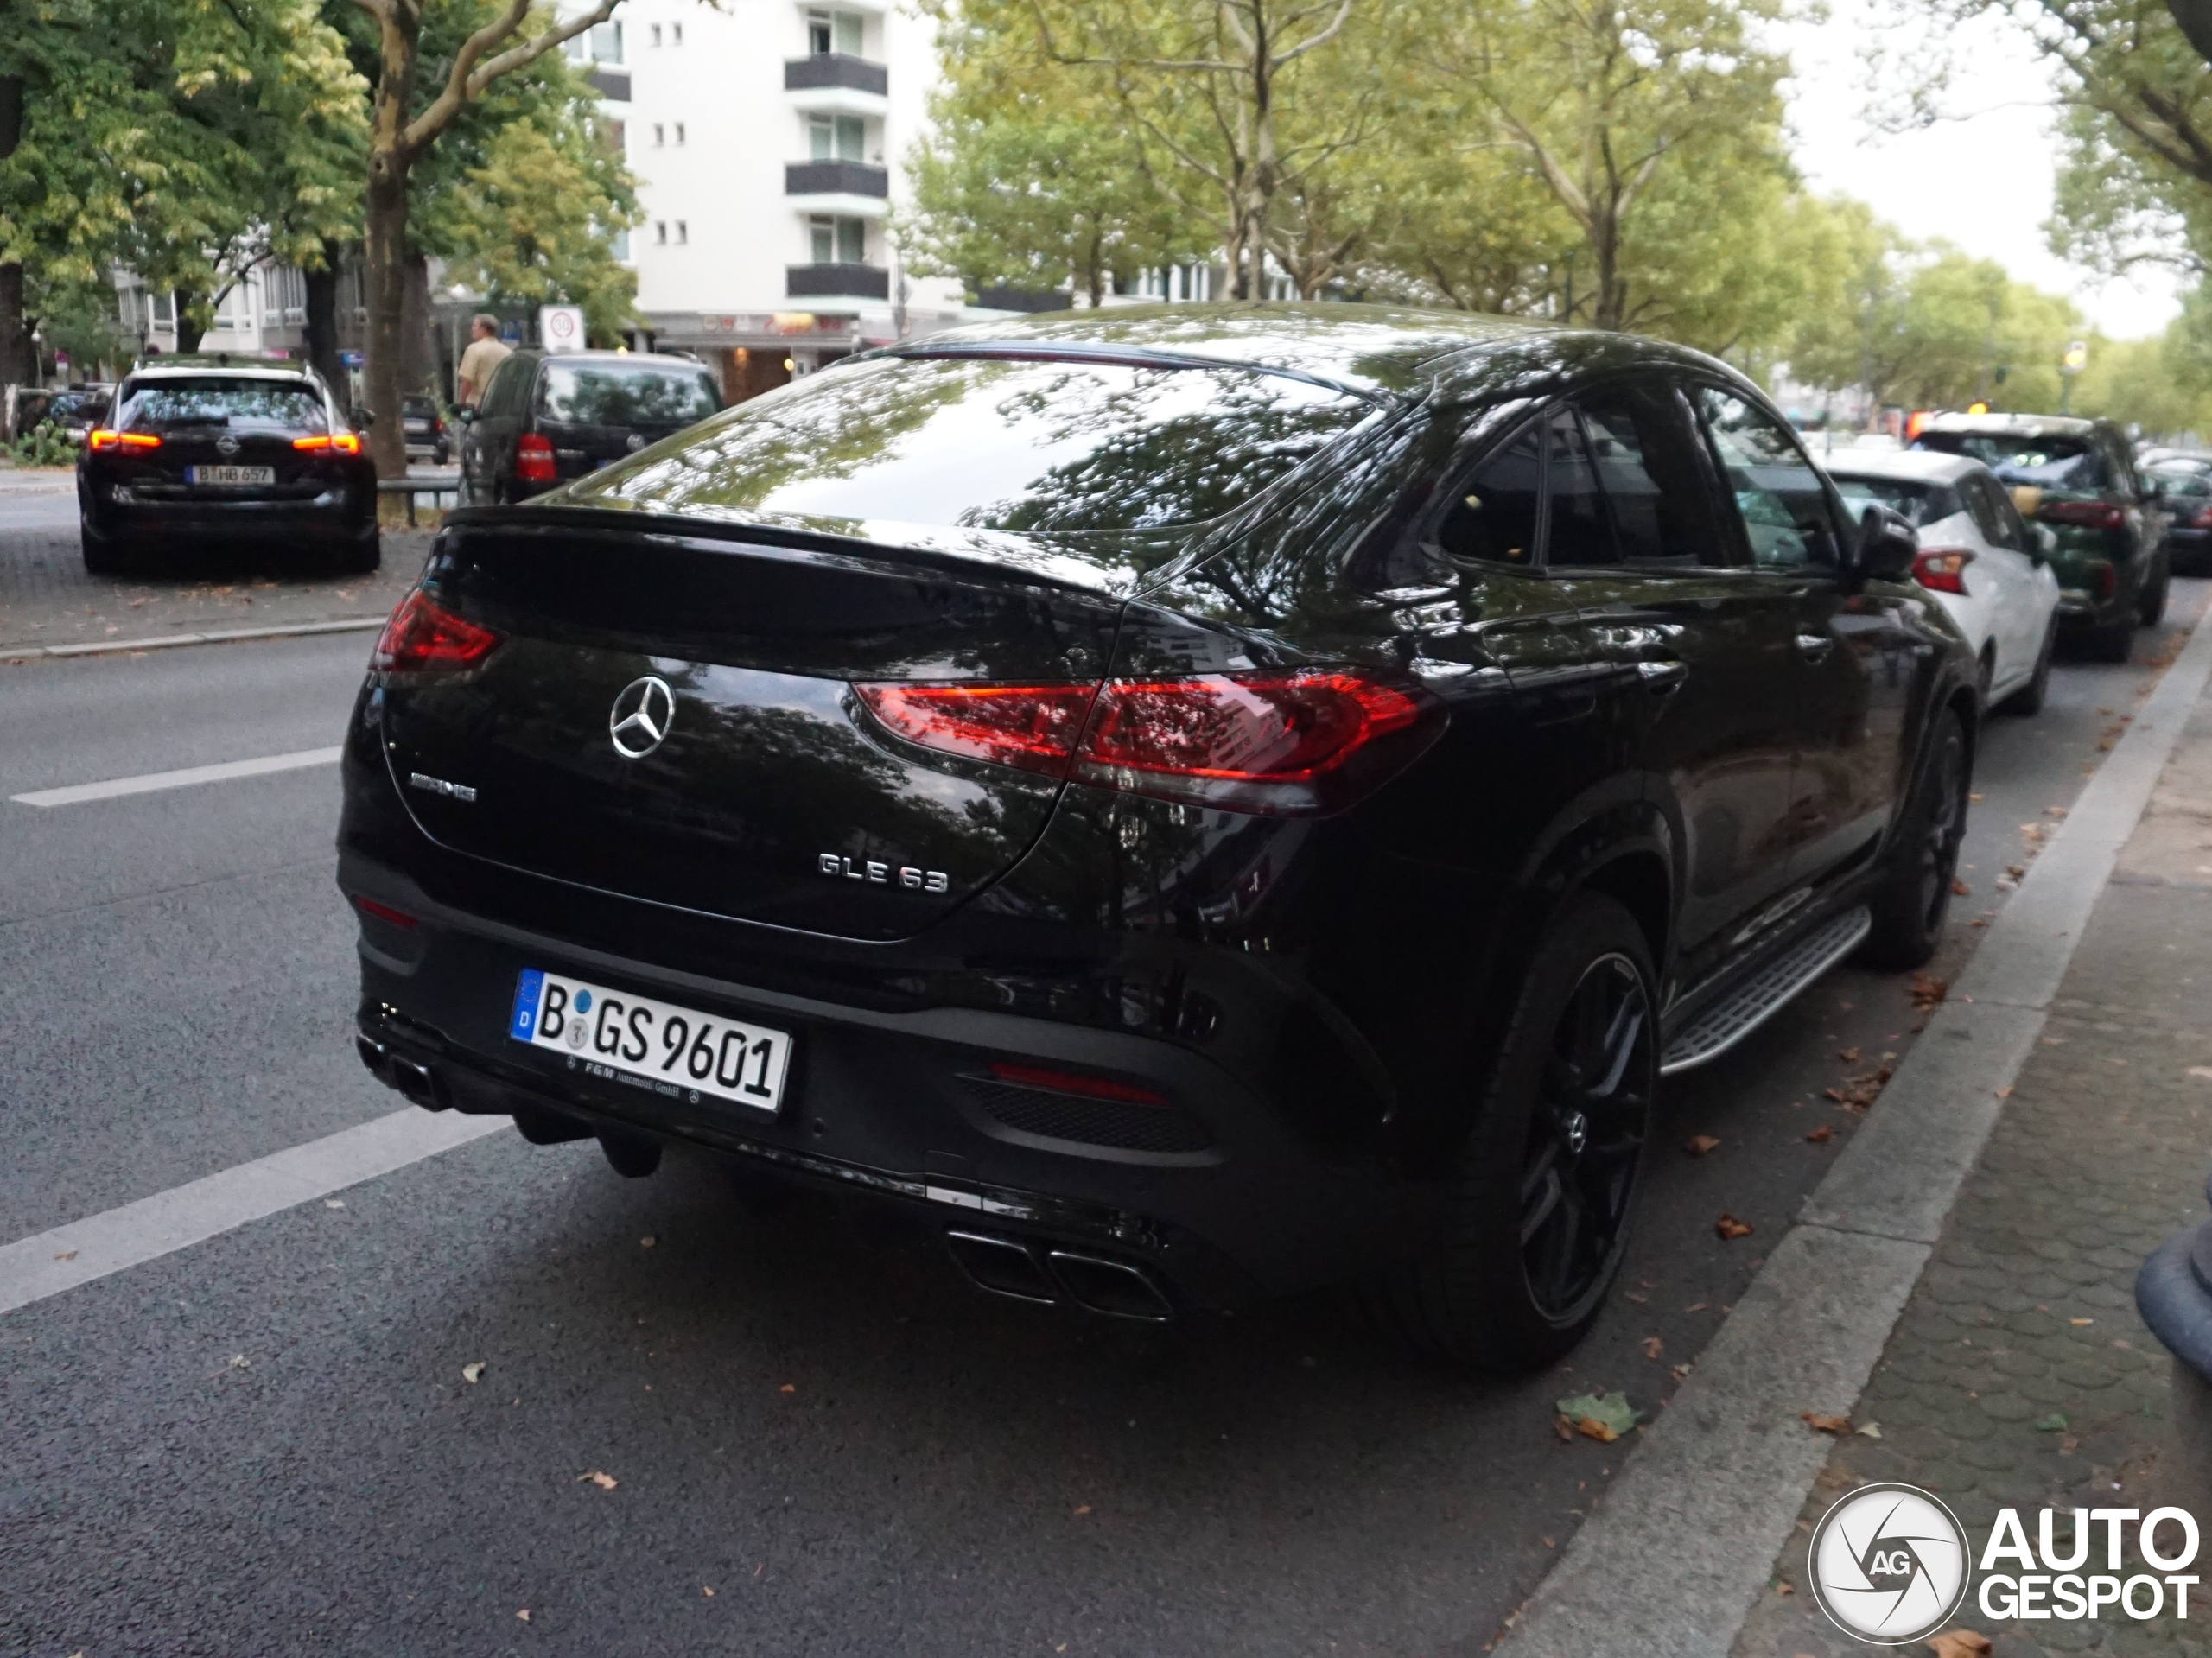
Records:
x=1814, y=647
x=1662, y=678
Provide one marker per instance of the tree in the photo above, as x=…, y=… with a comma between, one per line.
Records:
x=403, y=127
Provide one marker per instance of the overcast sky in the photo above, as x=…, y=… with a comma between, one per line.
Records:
x=1983, y=183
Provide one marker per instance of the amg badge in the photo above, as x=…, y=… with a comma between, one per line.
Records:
x=919, y=881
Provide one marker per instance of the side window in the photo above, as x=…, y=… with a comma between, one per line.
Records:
x=1646, y=455
x=1779, y=497
x=1494, y=518
x=510, y=385
x=1577, y=533
x=1992, y=511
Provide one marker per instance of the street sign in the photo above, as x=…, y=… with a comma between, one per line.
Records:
x=561, y=328
x=351, y=359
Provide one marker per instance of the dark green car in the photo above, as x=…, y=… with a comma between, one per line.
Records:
x=2103, y=524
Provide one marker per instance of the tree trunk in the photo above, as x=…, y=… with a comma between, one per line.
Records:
x=15, y=334
x=385, y=273
x=322, y=322
x=1612, y=300
x=188, y=330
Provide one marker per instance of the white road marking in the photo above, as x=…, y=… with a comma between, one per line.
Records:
x=183, y=779
x=47, y=1264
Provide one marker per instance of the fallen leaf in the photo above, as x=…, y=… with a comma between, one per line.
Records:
x=605, y=1482
x=1564, y=1428
x=1697, y=1306
x=67, y=1255
x=708, y=1592
x=2053, y=1423
x=1959, y=888
x=239, y=1361
x=2203, y=1072
x=1731, y=1228
x=1082, y=1508
x=2054, y=812
x=644, y=1243
x=1835, y=1425
x=1871, y=1430
x=1785, y=1589
x=1698, y=1144
x=1652, y=1347
x=1681, y=1371
x=1849, y=1056
x=1603, y=1417
x=333, y=1203
x=1959, y=1643
x=2078, y=1322
x=524, y=1615
x=788, y=1387
x=1821, y=1135
x=2005, y=1092
x=473, y=1371
x=1928, y=991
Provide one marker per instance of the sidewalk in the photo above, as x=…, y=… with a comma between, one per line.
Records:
x=2018, y=1375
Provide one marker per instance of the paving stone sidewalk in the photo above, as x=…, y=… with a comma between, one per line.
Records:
x=2019, y=1375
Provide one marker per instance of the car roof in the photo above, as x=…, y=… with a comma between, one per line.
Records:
x=634, y=359
x=1926, y=465
x=2013, y=425
x=200, y=368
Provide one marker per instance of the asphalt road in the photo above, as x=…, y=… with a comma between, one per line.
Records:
x=823, y=1440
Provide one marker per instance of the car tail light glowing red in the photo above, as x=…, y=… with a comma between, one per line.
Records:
x=534, y=459
x=2204, y=518
x=420, y=638
x=1068, y=1082
x=1299, y=741
x=2089, y=515
x=104, y=442
x=331, y=443
x=1942, y=570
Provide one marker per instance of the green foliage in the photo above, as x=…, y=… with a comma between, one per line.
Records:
x=44, y=445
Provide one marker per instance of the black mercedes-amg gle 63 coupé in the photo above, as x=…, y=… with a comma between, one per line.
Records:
x=1197, y=802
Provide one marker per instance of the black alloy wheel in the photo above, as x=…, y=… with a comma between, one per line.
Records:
x=1911, y=903
x=1586, y=1140
x=1538, y=1219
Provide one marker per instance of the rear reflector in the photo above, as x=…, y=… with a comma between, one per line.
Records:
x=1297, y=740
x=534, y=459
x=420, y=638
x=104, y=442
x=1942, y=570
x=331, y=443
x=1068, y=1082
x=383, y=912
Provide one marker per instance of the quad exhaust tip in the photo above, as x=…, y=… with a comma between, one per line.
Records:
x=411, y=1078
x=1038, y=1273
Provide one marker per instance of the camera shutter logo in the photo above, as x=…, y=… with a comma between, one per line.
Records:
x=1890, y=1565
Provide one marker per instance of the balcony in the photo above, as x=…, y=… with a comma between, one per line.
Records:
x=827, y=70
x=611, y=83
x=845, y=282
x=852, y=189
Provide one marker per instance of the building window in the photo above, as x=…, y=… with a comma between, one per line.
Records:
x=622, y=243
x=676, y=30
x=614, y=135
x=660, y=135
x=837, y=241
x=679, y=132
x=607, y=43
x=833, y=31
x=835, y=138
x=682, y=232
x=660, y=232
x=655, y=38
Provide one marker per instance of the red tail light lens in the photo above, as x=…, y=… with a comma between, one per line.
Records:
x=1296, y=741
x=2204, y=518
x=421, y=638
x=104, y=442
x=2089, y=515
x=1942, y=570
x=334, y=443
x=534, y=459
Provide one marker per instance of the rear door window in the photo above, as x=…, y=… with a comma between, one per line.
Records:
x=596, y=394
x=1644, y=450
x=1578, y=533
x=1492, y=519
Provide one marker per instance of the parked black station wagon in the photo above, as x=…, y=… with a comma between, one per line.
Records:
x=1200, y=801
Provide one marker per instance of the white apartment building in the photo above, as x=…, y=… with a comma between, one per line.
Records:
x=766, y=137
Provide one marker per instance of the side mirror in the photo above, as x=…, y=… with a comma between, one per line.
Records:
x=465, y=415
x=361, y=417
x=1887, y=546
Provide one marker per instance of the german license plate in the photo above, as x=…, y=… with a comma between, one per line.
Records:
x=229, y=474
x=674, y=1052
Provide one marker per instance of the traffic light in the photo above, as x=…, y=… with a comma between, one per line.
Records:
x=2076, y=358
x=1977, y=407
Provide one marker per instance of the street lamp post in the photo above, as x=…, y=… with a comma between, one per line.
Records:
x=2075, y=360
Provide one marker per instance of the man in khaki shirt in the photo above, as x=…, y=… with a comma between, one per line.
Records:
x=484, y=353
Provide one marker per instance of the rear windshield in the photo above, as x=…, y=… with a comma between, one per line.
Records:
x=1015, y=444
x=242, y=405
x=604, y=395
x=1920, y=502
x=2180, y=481
x=2053, y=462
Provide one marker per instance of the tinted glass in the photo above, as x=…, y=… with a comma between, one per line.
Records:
x=2054, y=462
x=240, y=405
x=1920, y=502
x=1494, y=520
x=996, y=443
x=1779, y=497
x=1577, y=533
x=1645, y=452
x=605, y=395
x=418, y=408
x=504, y=394
x=2182, y=483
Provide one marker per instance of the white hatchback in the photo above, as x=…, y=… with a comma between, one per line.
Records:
x=1981, y=560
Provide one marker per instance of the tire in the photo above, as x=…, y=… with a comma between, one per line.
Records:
x=1915, y=895
x=2028, y=701
x=1520, y=1271
x=104, y=555
x=2112, y=641
x=363, y=557
x=2151, y=606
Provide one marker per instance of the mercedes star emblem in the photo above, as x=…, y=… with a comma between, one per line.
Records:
x=642, y=716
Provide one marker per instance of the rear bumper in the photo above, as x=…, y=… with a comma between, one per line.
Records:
x=899, y=1105
x=332, y=518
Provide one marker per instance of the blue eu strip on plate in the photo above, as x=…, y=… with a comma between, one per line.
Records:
x=526, y=993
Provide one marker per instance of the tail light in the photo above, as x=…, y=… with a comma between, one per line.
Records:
x=104, y=442
x=2107, y=581
x=2088, y=515
x=1068, y=1082
x=534, y=459
x=383, y=912
x=419, y=638
x=1294, y=741
x=1942, y=570
x=2204, y=518
x=331, y=443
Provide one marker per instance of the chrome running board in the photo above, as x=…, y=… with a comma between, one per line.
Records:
x=1766, y=993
